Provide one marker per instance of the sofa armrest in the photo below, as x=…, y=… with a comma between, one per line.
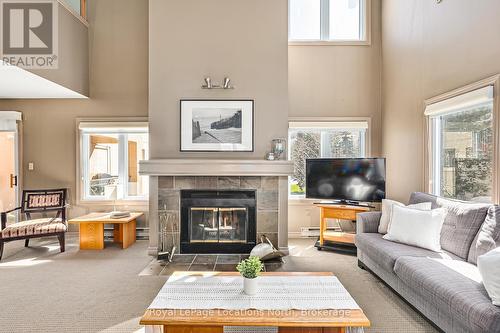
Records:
x=367, y=222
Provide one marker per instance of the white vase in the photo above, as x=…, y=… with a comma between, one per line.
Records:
x=250, y=286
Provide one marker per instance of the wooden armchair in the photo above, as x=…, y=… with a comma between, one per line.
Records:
x=37, y=201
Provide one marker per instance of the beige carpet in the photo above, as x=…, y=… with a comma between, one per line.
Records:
x=107, y=291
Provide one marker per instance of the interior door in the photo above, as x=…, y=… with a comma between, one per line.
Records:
x=9, y=166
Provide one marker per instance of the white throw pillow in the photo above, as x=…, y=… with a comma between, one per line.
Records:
x=489, y=267
x=417, y=227
x=385, y=219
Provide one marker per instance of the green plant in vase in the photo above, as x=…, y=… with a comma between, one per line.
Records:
x=250, y=269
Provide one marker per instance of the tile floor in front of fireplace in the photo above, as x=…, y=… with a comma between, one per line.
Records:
x=303, y=257
x=300, y=249
x=202, y=262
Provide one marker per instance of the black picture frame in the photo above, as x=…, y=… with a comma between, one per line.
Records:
x=185, y=127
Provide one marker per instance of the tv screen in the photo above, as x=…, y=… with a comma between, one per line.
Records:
x=346, y=179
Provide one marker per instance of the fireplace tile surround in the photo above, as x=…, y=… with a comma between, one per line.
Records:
x=167, y=177
x=267, y=193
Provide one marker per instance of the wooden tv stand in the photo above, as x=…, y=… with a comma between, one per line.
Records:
x=337, y=240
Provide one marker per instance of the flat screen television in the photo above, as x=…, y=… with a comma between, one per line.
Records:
x=350, y=180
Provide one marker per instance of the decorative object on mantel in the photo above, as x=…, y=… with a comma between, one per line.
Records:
x=250, y=269
x=217, y=125
x=226, y=84
x=278, y=147
x=270, y=156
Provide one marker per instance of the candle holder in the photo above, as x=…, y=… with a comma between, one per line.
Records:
x=278, y=147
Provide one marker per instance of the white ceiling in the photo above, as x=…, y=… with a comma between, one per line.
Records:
x=17, y=83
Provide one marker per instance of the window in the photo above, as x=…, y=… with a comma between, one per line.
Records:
x=78, y=6
x=327, y=20
x=110, y=153
x=461, y=135
x=322, y=139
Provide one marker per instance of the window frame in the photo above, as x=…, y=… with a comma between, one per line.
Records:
x=81, y=14
x=429, y=178
x=81, y=168
x=301, y=199
x=365, y=28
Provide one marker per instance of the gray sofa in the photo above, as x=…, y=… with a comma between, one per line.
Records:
x=445, y=287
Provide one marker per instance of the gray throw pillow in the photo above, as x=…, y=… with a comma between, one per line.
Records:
x=488, y=237
x=462, y=223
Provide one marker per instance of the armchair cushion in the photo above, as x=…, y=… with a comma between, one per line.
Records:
x=34, y=227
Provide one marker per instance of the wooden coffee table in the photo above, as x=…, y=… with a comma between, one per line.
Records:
x=291, y=321
x=92, y=230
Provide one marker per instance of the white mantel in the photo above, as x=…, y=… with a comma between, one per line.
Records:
x=214, y=167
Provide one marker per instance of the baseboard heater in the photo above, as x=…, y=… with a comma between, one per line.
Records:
x=313, y=231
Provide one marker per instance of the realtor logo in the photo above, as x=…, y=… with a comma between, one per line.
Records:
x=29, y=33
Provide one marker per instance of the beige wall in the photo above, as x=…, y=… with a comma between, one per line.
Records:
x=339, y=81
x=73, y=54
x=245, y=40
x=336, y=81
x=429, y=49
x=118, y=41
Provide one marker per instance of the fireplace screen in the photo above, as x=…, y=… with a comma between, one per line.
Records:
x=218, y=221
x=210, y=225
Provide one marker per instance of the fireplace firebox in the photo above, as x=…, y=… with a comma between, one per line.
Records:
x=218, y=221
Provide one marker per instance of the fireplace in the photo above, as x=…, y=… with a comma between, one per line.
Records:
x=218, y=221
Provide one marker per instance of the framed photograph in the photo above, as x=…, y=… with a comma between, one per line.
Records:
x=217, y=125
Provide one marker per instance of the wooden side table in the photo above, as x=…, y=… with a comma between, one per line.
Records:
x=337, y=240
x=92, y=230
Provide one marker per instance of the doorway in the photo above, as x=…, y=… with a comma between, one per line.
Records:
x=9, y=162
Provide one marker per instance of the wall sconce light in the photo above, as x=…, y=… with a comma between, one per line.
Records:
x=226, y=84
x=208, y=83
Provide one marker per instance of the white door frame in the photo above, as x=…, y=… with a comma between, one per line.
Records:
x=11, y=121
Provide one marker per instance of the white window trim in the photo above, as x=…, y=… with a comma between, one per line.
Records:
x=365, y=21
x=437, y=105
x=318, y=121
x=80, y=178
